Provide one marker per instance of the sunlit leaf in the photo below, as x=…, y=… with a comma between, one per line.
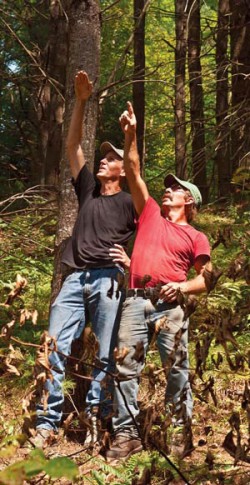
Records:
x=61, y=467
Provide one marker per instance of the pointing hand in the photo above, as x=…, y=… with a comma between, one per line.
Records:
x=128, y=120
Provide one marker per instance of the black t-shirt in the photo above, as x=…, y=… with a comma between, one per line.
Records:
x=102, y=221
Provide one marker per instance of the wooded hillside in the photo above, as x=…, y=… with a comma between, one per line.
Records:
x=185, y=66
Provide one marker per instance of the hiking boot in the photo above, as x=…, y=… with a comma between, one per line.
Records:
x=123, y=446
x=43, y=438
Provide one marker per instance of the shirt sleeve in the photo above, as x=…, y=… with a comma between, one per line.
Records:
x=84, y=184
x=150, y=209
x=201, y=246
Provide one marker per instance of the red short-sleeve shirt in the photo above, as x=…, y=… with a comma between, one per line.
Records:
x=164, y=250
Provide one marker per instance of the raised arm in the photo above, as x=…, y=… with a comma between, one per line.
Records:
x=83, y=90
x=136, y=184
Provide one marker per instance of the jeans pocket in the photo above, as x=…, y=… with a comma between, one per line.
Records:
x=121, y=269
x=149, y=309
x=126, y=303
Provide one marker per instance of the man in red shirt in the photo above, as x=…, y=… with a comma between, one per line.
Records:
x=166, y=247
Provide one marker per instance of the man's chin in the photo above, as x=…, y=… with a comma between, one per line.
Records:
x=100, y=175
x=165, y=209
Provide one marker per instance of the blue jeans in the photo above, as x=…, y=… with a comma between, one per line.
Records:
x=90, y=295
x=139, y=317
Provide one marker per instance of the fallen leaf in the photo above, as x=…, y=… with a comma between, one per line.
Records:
x=139, y=352
x=120, y=354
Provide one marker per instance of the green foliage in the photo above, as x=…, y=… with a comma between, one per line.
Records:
x=221, y=321
x=241, y=178
x=228, y=295
x=118, y=24
x=159, y=79
x=220, y=330
x=226, y=228
x=36, y=463
x=133, y=469
x=26, y=249
x=22, y=38
x=68, y=385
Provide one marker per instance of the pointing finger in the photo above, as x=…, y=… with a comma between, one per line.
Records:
x=130, y=108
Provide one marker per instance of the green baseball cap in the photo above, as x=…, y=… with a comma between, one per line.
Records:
x=171, y=179
x=106, y=147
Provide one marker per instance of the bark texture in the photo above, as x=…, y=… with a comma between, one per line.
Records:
x=49, y=104
x=180, y=78
x=240, y=55
x=223, y=162
x=83, y=54
x=57, y=63
x=196, y=100
x=139, y=76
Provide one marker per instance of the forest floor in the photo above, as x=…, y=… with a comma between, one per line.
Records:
x=219, y=361
x=209, y=463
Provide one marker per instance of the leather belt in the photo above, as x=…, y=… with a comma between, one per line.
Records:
x=151, y=293
x=136, y=292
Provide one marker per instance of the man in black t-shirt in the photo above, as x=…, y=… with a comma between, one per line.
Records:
x=95, y=255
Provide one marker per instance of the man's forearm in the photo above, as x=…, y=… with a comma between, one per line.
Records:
x=136, y=184
x=195, y=285
x=169, y=292
x=74, y=137
x=131, y=155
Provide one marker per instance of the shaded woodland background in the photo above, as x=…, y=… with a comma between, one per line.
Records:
x=185, y=65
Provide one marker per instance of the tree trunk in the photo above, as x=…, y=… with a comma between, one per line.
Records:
x=180, y=63
x=240, y=55
x=196, y=101
x=49, y=105
x=83, y=54
x=222, y=122
x=138, y=77
x=57, y=63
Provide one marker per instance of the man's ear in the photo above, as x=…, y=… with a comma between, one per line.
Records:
x=122, y=174
x=190, y=200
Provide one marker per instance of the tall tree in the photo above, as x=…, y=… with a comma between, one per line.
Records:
x=139, y=76
x=240, y=55
x=83, y=53
x=196, y=100
x=222, y=105
x=57, y=55
x=180, y=77
x=49, y=104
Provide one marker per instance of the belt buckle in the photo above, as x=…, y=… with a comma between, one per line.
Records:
x=135, y=292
